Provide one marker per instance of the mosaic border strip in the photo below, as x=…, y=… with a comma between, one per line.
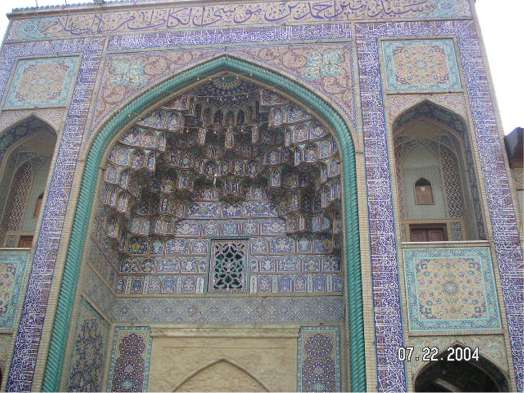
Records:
x=87, y=189
x=230, y=311
x=391, y=373
x=30, y=328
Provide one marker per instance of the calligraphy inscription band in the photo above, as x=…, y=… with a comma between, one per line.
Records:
x=231, y=15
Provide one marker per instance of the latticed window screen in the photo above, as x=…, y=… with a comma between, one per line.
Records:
x=228, y=265
x=18, y=196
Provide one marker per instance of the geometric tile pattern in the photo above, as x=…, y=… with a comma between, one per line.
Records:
x=450, y=289
x=421, y=66
x=319, y=359
x=384, y=261
x=230, y=310
x=41, y=83
x=12, y=268
x=130, y=359
x=88, y=358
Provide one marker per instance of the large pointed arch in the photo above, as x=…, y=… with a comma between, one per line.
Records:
x=129, y=114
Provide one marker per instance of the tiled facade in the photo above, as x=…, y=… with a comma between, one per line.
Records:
x=357, y=59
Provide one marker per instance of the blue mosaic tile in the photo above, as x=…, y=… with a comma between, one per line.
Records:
x=319, y=359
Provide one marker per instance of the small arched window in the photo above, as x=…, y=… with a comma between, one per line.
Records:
x=423, y=192
x=38, y=205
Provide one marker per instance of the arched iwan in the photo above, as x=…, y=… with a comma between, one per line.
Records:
x=149, y=99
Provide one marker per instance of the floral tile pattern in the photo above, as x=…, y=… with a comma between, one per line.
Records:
x=130, y=359
x=12, y=268
x=41, y=83
x=91, y=340
x=421, y=66
x=451, y=289
x=319, y=359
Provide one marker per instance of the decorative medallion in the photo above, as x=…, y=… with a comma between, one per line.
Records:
x=41, y=83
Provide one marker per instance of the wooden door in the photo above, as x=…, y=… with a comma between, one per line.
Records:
x=25, y=242
x=428, y=233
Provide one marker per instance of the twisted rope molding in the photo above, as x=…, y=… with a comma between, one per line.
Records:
x=351, y=251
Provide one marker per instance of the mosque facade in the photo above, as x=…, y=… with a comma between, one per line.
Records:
x=297, y=195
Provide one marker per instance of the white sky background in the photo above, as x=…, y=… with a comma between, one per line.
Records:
x=501, y=24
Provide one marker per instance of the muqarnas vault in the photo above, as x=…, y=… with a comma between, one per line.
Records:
x=266, y=196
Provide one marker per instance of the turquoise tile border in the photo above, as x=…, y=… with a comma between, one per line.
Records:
x=393, y=86
x=417, y=323
x=19, y=260
x=15, y=98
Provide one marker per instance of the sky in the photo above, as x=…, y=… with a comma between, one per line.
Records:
x=501, y=25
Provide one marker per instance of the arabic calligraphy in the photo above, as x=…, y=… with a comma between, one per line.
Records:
x=231, y=15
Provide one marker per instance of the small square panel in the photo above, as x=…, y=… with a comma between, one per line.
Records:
x=418, y=66
x=451, y=289
x=42, y=83
x=229, y=265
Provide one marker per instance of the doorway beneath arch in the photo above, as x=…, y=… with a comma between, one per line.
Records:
x=461, y=376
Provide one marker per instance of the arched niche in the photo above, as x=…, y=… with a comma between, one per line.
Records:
x=432, y=143
x=221, y=376
x=162, y=94
x=26, y=150
x=460, y=376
